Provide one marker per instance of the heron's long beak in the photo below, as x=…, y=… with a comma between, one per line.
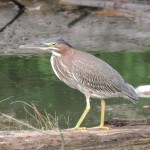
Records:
x=41, y=46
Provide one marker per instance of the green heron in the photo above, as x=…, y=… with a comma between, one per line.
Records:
x=85, y=72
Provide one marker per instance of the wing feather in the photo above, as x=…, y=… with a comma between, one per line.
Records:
x=97, y=78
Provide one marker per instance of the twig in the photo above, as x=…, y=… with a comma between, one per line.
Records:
x=82, y=16
x=6, y=99
x=38, y=113
x=29, y=126
x=20, y=12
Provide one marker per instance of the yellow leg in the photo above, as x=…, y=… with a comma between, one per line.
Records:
x=87, y=109
x=103, y=107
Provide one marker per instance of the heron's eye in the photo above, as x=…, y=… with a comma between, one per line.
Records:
x=52, y=44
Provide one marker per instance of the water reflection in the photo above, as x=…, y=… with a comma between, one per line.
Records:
x=31, y=79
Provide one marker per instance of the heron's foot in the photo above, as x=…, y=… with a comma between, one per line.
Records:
x=101, y=127
x=77, y=128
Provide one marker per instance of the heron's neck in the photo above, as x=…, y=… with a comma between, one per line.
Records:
x=56, y=54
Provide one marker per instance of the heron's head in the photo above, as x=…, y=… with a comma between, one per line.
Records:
x=57, y=46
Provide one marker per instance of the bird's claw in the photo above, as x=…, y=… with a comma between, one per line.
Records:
x=77, y=128
x=101, y=127
x=84, y=128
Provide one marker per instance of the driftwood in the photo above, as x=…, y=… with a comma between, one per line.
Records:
x=123, y=138
x=104, y=4
x=103, y=8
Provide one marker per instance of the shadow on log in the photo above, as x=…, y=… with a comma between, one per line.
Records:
x=128, y=137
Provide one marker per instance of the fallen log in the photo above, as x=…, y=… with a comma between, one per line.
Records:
x=121, y=138
x=104, y=4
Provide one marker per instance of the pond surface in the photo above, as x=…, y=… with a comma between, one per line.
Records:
x=31, y=79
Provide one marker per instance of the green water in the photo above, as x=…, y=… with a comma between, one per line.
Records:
x=31, y=79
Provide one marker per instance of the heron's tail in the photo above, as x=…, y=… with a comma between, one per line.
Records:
x=130, y=93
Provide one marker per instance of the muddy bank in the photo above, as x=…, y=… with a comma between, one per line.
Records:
x=96, y=32
x=124, y=138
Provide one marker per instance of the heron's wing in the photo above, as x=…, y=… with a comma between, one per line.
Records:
x=99, y=77
x=96, y=76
